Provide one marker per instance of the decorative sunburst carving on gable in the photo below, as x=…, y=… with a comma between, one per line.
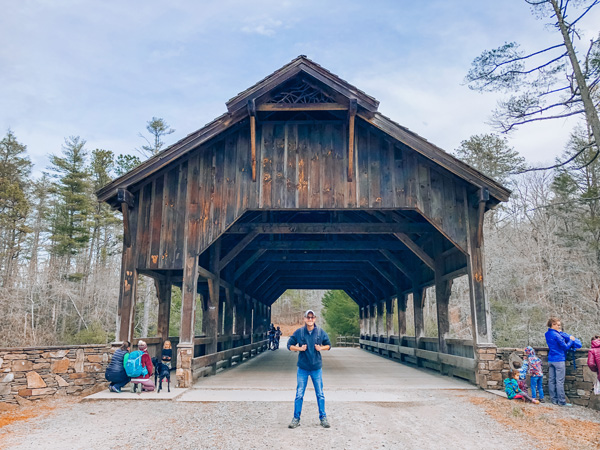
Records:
x=300, y=93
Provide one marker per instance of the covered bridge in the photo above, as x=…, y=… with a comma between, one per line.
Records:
x=301, y=184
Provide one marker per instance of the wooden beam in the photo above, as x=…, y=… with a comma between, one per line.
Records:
x=384, y=273
x=126, y=230
x=331, y=228
x=237, y=249
x=399, y=265
x=252, y=114
x=270, y=107
x=351, y=117
x=348, y=246
x=484, y=196
x=413, y=247
x=257, y=254
x=126, y=199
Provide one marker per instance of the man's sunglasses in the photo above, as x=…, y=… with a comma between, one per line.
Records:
x=310, y=317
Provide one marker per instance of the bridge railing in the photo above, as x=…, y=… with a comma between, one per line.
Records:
x=347, y=341
x=458, y=362
x=200, y=341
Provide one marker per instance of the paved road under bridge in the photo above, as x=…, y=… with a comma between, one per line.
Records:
x=350, y=375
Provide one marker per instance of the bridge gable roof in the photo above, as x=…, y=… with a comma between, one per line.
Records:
x=338, y=91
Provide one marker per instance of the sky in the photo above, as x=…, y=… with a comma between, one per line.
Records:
x=101, y=70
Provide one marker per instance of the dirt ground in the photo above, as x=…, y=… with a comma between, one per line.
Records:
x=451, y=419
x=553, y=427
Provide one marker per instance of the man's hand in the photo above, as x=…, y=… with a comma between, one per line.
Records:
x=302, y=348
x=322, y=347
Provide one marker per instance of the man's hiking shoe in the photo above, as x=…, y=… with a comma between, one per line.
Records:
x=295, y=423
x=325, y=423
x=565, y=404
x=111, y=388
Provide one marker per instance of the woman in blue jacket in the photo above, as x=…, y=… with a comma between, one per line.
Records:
x=557, y=351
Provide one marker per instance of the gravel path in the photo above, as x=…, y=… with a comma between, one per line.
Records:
x=448, y=421
x=415, y=409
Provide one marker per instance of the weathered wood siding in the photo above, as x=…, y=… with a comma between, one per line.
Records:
x=300, y=165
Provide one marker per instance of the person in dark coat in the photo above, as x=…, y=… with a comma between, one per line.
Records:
x=115, y=372
x=557, y=351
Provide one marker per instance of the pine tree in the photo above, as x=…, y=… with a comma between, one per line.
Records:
x=72, y=189
x=158, y=128
x=340, y=313
x=15, y=169
x=125, y=163
x=577, y=189
x=491, y=155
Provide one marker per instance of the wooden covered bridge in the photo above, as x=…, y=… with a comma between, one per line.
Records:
x=302, y=184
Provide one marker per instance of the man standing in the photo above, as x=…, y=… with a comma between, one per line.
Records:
x=309, y=341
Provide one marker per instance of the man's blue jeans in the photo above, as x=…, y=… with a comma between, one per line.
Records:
x=317, y=379
x=536, y=386
x=556, y=382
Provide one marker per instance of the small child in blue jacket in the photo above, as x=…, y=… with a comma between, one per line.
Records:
x=511, y=387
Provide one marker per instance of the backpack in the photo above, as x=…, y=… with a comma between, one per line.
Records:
x=576, y=345
x=318, y=340
x=133, y=366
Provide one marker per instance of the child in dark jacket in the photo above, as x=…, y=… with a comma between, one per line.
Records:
x=167, y=354
x=511, y=387
x=536, y=376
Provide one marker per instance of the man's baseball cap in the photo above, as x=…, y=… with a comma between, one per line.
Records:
x=308, y=312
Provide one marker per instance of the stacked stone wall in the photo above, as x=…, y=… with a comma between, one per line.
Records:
x=33, y=373
x=493, y=366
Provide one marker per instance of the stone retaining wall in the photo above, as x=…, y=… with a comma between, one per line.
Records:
x=32, y=373
x=493, y=367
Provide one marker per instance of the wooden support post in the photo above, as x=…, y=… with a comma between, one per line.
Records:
x=380, y=330
x=372, y=318
x=214, y=291
x=401, y=303
x=389, y=319
x=188, y=303
x=228, y=325
x=252, y=114
x=163, y=290
x=351, y=118
x=443, y=289
x=189, y=288
x=127, y=294
x=126, y=199
x=250, y=319
x=418, y=297
x=240, y=320
x=361, y=315
x=220, y=319
x=129, y=275
x=480, y=310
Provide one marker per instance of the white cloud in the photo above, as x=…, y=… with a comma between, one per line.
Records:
x=263, y=27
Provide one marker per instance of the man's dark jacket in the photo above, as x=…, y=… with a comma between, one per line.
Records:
x=310, y=359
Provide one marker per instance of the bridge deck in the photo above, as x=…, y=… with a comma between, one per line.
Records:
x=349, y=375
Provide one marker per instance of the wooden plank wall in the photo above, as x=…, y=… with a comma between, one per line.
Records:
x=300, y=165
